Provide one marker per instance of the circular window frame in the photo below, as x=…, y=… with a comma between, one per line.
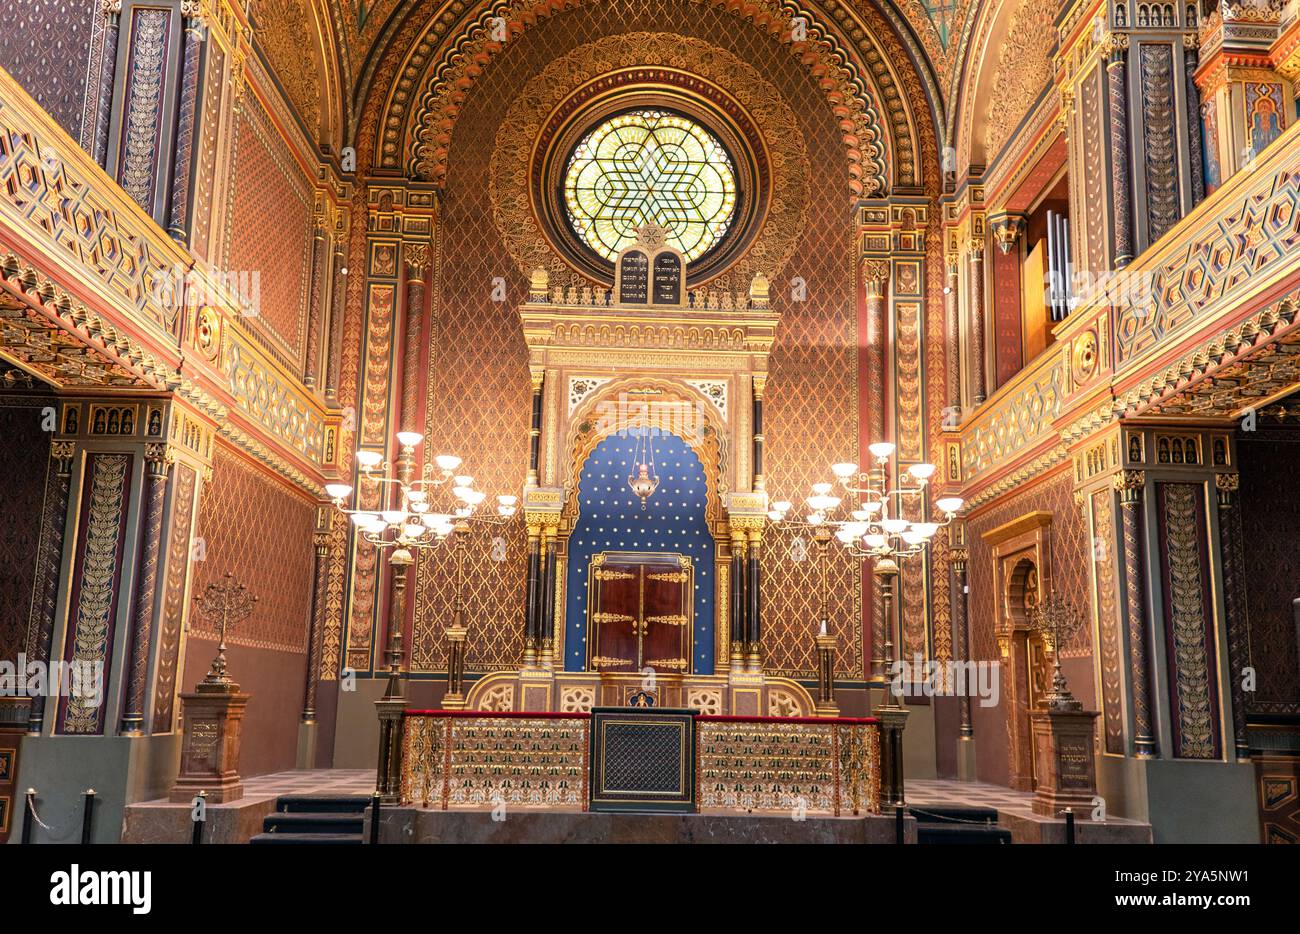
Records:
x=650, y=88
x=729, y=164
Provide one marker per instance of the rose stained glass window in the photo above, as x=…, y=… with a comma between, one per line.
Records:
x=650, y=166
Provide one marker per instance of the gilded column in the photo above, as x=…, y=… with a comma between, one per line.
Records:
x=738, y=604
x=315, y=634
x=112, y=12
x=760, y=382
x=156, y=465
x=417, y=261
x=1234, y=584
x=754, y=646
x=535, y=430
x=338, y=302
x=1130, y=484
x=978, y=365
x=961, y=643
x=532, y=624
x=49, y=558
x=1121, y=184
x=319, y=272
x=875, y=275
x=952, y=338
x=186, y=125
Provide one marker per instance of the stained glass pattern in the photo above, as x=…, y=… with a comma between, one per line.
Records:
x=650, y=166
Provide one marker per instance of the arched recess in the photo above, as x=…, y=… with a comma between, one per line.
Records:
x=879, y=88
x=616, y=404
x=672, y=523
x=301, y=44
x=1007, y=65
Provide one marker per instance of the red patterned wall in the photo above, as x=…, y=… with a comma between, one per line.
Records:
x=1071, y=553
x=269, y=230
x=257, y=528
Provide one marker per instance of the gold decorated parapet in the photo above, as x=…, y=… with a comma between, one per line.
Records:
x=487, y=760
x=483, y=759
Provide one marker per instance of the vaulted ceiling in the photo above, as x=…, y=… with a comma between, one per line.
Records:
x=326, y=52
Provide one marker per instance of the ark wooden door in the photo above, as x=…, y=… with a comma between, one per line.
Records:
x=639, y=612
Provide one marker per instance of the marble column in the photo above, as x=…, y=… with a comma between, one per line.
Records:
x=1234, y=584
x=736, y=660
x=535, y=431
x=178, y=224
x=1121, y=183
x=417, y=260
x=315, y=634
x=952, y=342
x=1130, y=484
x=960, y=636
x=760, y=382
x=532, y=624
x=546, y=612
x=754, y=646
x=146, y=587
x=978, y=365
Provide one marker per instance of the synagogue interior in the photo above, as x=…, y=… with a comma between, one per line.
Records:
x=646, y=415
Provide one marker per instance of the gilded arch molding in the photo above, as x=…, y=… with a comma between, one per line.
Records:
x=883, y=99
x=710, y=446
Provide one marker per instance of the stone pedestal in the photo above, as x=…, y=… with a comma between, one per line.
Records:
x=893, y=720
x=214, y=715
x=826, y=706
x=1065, y=761
x=454, y=699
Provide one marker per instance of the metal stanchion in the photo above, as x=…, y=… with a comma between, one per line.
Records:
x=1069, y=826
x=29, y=817
x=374, y=818
x=199, y=816
x=87, y=814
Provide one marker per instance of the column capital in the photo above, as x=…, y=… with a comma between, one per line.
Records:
x=875, y=275
x=1006, y=229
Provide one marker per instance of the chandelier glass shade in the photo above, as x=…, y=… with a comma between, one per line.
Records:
x=425, y=506
x=876, y=525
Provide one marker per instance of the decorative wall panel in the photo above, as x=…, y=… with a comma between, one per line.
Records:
x=1108, y=622
x=97, y=581
x=1160, y=146
x=173, y=610
x=1188, y=620
x=144, y=98
x=24, y=467
x=271, y=209
x=49, y=47
x=1071, y=552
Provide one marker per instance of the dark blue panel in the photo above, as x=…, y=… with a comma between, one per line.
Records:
x=611, y=519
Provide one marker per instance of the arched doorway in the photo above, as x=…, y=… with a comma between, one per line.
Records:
x=1028, y=668
x=670, y=532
